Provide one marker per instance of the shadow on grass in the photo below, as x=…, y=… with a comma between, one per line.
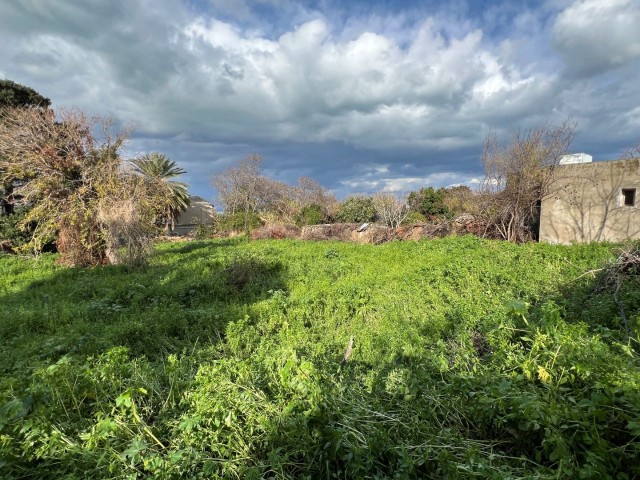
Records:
x=168, y=307
x=410, y=417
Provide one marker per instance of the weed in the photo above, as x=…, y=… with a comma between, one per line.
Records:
x=221, y=359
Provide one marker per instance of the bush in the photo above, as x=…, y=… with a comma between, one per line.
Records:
x=236, y=222
x=356, y=210
x=413, y=218
x=204, y=231
x=10, y=230
x=310, y=215
x=429, y=202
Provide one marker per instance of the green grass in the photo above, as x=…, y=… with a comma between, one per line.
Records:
x=221, y=359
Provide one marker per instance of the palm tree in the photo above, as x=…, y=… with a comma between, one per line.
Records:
x=173, y=196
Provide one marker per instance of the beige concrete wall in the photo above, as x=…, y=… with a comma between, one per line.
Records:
x=586, y=203
x=200, y=211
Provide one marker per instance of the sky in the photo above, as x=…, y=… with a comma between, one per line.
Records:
x=361, y=96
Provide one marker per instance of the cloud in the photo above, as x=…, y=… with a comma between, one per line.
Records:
x=594, y=36
x=369, y=91
x=332, y=89
x=403, y=185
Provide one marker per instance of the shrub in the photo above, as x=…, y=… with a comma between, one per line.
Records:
x=235, y=222
x=204, y=231
x=310, y=215
x=10, y=230
x=357, y=210
x=127, y=233
x=429, y=202
x=413, y=218
x=69, y=175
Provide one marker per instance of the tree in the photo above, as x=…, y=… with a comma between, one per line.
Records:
x=390, y=209
x=238, y=188
x=309, y=192
x=243, y=189
x=459, y=199
x=172, y=198
x=429, y=202
x=275, y=201
x=14, y=95
x=357, y=209
x=81, y=195
x=308, y=201
x=518, y=176
x=632, y=152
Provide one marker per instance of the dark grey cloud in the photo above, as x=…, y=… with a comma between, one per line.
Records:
x=359, y=99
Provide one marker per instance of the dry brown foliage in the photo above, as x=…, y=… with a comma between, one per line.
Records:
x=277, y=232
x=127, y=233
x=333, y=231
x=612, y=277
x=518, y=175
x=71, y=178
x=243, y=188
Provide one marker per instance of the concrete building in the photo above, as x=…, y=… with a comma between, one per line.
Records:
x=200, y=212
x=592, y=201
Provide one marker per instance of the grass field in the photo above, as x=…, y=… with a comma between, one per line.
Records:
x=221, y=359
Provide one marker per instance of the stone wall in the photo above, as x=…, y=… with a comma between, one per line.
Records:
x=375, y=234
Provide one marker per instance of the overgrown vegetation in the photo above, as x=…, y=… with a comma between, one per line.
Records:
x=472, y=359
x=519, y=175
x=13, y=230
x=357, y=209
x=72, y=181
x=244, y=190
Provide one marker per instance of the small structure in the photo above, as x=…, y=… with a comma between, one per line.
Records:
x=591, y=202
x=200, y=212
x=573, y=158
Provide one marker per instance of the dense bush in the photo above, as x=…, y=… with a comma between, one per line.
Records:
x=82, y=197
x=356, y=210
x=429, y=202
x=414, y=217
x=222, y=359
x=10, y=230
x=312, y=214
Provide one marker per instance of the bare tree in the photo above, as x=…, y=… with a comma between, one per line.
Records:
x=243, y=188
x=519, y=175
x=275, y=201
x=310, y=192
x=391, y=209
x=238, y=187
x=632, y=152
